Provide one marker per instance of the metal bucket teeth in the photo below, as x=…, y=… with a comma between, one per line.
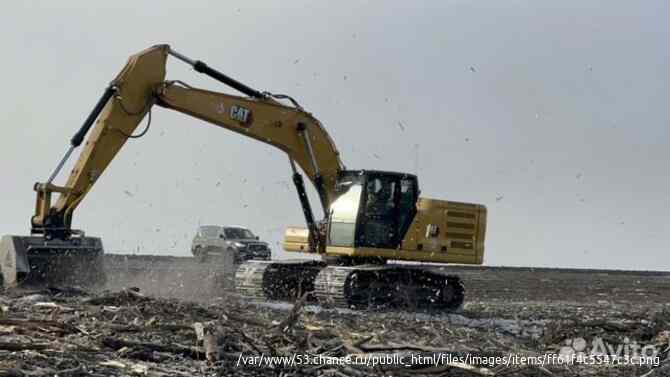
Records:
x=34, y=261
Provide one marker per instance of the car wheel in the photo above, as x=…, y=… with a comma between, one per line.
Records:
x=199, y=254
x=236, y=255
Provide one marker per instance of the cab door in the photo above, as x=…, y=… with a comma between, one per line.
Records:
x=378, y=218
x=388, y=209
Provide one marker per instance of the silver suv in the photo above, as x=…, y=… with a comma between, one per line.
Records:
x=214, y=239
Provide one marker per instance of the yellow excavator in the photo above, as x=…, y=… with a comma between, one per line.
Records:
x=372, y=219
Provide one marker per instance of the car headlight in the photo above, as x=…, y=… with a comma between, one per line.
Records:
x=238, y=244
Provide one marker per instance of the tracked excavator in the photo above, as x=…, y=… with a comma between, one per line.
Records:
x=372, y=220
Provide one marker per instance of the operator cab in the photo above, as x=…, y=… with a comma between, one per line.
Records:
x=373, y=209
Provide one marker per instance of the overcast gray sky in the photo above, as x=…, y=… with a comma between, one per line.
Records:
x=552, y=113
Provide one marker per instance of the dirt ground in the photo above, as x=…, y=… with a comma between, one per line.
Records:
x=164, y=316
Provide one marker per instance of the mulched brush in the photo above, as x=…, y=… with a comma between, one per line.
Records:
x=68, y=332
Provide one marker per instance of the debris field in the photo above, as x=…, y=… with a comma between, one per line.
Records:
x=148, y=323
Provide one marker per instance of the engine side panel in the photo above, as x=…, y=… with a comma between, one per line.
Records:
x=446, y=231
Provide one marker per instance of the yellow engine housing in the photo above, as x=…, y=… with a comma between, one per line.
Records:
x=442, y=232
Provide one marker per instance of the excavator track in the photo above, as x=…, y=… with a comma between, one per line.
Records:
x=388, y=286
x=268, y=280
x=357, y=287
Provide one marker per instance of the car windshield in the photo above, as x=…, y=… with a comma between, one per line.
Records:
x=237, y=233
x=210, y=230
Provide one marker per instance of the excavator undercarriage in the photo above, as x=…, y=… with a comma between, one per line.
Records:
x=385, y=286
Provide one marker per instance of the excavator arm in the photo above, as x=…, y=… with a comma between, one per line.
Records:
x=140, y=85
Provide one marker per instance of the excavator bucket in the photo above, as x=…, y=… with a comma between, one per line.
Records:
x=35, y=261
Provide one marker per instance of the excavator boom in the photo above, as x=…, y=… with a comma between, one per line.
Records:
x=141, y=84
x=127, y=100
x=290, y=129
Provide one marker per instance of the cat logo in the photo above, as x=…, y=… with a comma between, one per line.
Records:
x=240, y=114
